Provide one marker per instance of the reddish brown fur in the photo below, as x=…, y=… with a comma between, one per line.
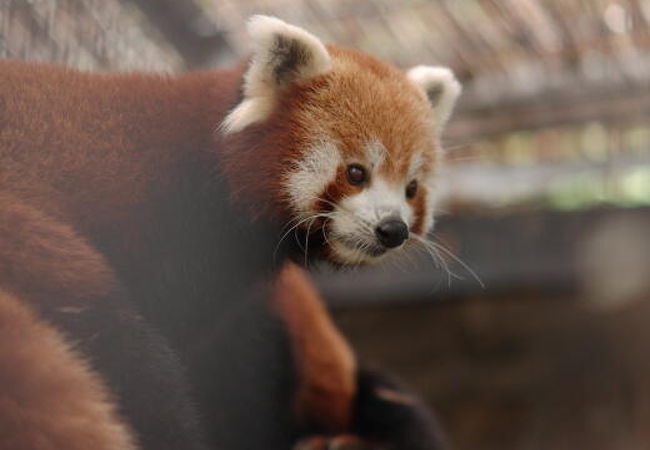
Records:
x=335, y=191
x=325, y=363
x=381, y=104
x=44, y=260
x=419, y=210
x=90, y=157
x=50, y=398
x=113, y=137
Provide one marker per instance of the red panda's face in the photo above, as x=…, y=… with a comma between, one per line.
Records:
x=354, y=142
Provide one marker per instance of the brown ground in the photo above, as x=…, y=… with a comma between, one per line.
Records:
x=519, y=371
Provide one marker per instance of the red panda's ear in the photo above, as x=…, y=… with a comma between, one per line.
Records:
x=283, y=54
x=441, y=87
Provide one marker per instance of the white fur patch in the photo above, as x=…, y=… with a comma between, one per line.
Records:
x=312, y=175
x=351, y=256
x=416, y=165
x=249, y=111
x=376, y=153
x=441, y=87
x=262, y=86
x=353, y=222
x=377, y=202
x=430, y=205
x=357, y=216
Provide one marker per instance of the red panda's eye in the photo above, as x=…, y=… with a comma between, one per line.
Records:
x=356, y=174
x=412, y=189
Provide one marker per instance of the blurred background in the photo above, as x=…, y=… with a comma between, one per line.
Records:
x=528, y=326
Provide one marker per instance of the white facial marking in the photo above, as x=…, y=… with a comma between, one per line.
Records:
x=312, y=175
x=357, y=216
x=379, y=201
x=376, y=154
x=414, y=168
x=430, y=203
x=354, y=222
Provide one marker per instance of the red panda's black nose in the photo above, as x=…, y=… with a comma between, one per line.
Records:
x=392, y=232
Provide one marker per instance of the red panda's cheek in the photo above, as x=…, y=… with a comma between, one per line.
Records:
x=419, y=205
x=313, y=170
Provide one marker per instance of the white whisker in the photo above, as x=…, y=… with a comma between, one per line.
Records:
x=450, y=254
x=294, y=228
x=438, y=261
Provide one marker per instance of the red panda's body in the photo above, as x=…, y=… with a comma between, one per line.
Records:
x=142, y=217
x=111, y=200
x=106, y=152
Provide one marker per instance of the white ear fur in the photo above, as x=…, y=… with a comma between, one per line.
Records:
x=283, y=54
x=441, y=87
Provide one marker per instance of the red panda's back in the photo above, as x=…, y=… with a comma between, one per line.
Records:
x=97, y=145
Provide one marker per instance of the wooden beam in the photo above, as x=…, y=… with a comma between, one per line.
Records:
x=540, y=112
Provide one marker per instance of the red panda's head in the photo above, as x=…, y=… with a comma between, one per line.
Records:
x=337, y=143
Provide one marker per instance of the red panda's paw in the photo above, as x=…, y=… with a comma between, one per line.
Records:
x=388, y=414
x=341, y=442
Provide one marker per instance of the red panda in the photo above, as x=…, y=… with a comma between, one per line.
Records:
x=136, y=211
